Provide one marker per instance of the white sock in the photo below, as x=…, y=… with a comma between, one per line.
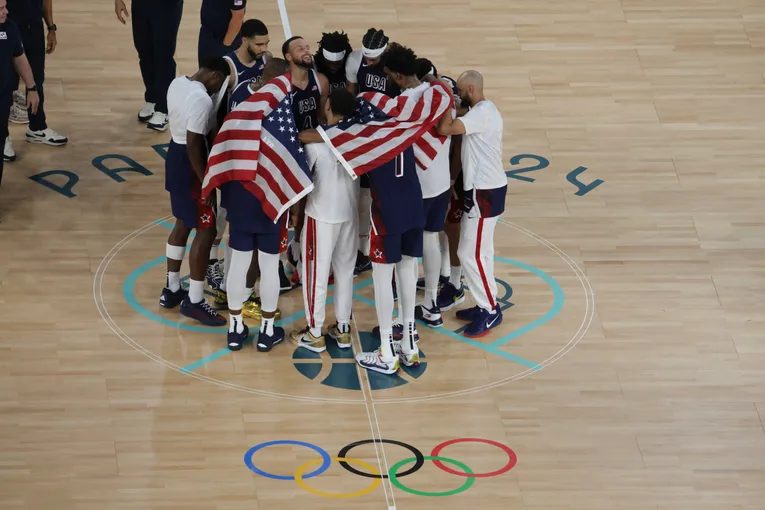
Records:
x=382, y=275
x=456, y=277
x=443, y=242
x=407, y=298
x=227, y=252
x=196, y=291
x=173, y=281
x=235, y=325
x=316, y=332
x=269, y=282
x=344, y=327
x=431, y=262
x=236, y=277
x=214, y=250
x=267, y=326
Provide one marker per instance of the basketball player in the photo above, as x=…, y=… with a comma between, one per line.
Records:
x=251, y=307
x=309, y=93
x=221, y=28
x=364, y=73
x=398, y=218
x=190, y=109
x=329, y=236
x=246, y=64
x=330, y=59
x=485, y=186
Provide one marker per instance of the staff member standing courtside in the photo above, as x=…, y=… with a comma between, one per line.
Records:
x=221, y=30
x=28, y=15
x=155, y=30
x=12, y=58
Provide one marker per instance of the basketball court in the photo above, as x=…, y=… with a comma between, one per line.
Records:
x=629, y=371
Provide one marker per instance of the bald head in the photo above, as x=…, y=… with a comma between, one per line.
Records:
x=470, y=85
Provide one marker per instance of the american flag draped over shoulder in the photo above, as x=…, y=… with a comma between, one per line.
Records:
x=384, y=127
x=258, y=146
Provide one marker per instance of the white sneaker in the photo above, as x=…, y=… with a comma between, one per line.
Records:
x=375, y=362
x=46, y=136
x=158, y=122
x=146, y=112
x=410, y=359
x=8, y=153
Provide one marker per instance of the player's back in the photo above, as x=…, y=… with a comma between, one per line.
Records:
x=335, y=194
x=396, y=196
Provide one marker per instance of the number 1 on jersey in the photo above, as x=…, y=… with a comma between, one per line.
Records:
x=400, y=165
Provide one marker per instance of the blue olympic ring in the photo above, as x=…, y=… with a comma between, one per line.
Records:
x=325, y=458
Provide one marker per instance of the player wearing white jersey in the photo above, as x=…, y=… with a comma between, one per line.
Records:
x=485, y=186
x=329, y=236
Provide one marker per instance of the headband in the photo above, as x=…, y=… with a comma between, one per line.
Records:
x=373, y=53
x=333, y=57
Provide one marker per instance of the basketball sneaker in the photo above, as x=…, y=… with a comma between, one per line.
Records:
x=442, y=280
x=221, y=298
x=19, y=113
x=252, y=310
x=47, y=137
x=170, y=299
x=202, y=312
x=362, y=264
x=375, y=362
x=449, y=297
x=303, y=338
x=284, y=282
x=146, y=112
x=237, y=340
x=410, y=359
x=430, y=316
x=483, y=323
x=214, y=274
x=398, y=332
x=8, y=153
x=468, y=314
x=342, y=339
x=267, y=342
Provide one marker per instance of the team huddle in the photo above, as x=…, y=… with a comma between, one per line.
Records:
x=444, y=211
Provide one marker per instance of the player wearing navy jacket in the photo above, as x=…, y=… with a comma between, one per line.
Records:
x=221, y=28
x=485, y=186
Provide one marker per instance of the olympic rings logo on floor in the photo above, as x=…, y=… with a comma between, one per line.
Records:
x=350, y=464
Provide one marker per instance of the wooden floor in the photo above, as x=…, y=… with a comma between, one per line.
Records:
x=646, y=290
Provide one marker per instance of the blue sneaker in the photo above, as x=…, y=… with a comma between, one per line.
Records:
x=202, y=312
x=442, y=280
x=449, y=297
x=214, y=275
x=170, y=299
x=237, y=340
x=362, y=264
x=266, y=342
x=469, y=314
x=398, y=333
x=483, y=323
x=430, y=316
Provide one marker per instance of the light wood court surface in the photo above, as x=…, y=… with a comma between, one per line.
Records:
x=656, y=399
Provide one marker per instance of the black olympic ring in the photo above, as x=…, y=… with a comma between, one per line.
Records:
x=418, y=463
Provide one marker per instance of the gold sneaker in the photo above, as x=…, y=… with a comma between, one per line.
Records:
x=221, y=298
x=343, y=340
x=306, y=340
x=252, y=310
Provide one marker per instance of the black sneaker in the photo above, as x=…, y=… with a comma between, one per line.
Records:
x=442, y=280
x=170, y=299
x=202, y=312
x=266, y=342
x=362, y=264
x=284, y=282
x=398, y=333
x=237, y=340
x=430, y=316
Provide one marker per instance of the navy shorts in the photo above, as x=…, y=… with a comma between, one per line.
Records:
x=186, y=190
x=271, y=242
x=389, y=249
x=435, y=211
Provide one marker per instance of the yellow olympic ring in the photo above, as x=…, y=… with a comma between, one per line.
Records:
x=302, y=469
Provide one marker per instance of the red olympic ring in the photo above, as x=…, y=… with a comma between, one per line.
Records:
x=513, y=459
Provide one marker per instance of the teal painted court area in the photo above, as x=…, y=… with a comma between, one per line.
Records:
x=494, y=347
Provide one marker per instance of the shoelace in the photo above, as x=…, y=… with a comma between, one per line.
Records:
x=209, y=309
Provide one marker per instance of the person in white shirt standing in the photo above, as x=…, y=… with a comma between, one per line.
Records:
x=329, y=236
x=190, y=111
x=485, y=185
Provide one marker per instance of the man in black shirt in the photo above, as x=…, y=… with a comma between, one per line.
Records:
x=221, y=30
x=12, y=61
x=155, y=31
x=28, y=15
